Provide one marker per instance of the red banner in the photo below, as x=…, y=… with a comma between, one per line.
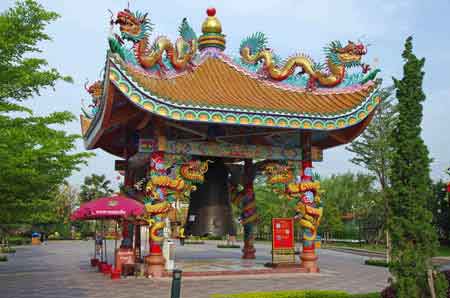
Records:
x=283, y=233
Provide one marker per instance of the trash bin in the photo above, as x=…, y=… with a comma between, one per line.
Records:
x=35, y=238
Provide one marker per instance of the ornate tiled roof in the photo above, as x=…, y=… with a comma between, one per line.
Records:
x=192, y=80
x=219, y=90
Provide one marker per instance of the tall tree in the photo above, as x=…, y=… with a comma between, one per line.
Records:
x=414, y=239
x=373, y=150
x=36, y=158
x=95, y=186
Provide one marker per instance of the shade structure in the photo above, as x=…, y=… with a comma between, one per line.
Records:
x=115, y=207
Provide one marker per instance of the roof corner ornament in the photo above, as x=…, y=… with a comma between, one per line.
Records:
x=136, y=28
x=96, y=92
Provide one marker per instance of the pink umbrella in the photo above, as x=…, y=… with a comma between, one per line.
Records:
x=115, y=207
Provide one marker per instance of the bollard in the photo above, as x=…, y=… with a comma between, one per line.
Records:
x=176, y=283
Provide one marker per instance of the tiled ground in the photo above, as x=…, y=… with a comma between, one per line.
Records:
x=60, y=269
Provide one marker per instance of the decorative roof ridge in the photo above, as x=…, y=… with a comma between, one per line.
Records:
x=168, y=101
x=284, y=86
x=213, y=53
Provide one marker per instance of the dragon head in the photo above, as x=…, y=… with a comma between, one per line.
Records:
x=194, y=170
x=277, y=173
x=95, y=89
x=134, y=26
x=349, y=56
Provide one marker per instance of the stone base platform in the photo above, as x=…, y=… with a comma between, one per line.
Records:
x=217, y=267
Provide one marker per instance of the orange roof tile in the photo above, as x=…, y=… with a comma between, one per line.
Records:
x=216, y=83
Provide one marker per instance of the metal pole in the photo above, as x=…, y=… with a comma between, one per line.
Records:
x=101, y=239
x=95, y=239
x=106, y=252
x=176, y=283
x=115, y=245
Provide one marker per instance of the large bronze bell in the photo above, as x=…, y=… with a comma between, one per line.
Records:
x=210, y=210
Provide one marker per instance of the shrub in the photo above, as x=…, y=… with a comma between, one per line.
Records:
x=3, y=258
x=441, y=285
x=16, y=240
x=292, y=294
x=7, y=250
x=376, y=262
x=228, y=246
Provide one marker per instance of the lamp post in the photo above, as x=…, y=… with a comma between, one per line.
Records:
x=176, y=283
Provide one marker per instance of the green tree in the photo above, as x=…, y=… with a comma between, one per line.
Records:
x=331, y=221
x=373, y=150
x=440, y=208
x=67, y=200
x=351, y=196
x=36, y=158
x=95, y=186
x=414, y=239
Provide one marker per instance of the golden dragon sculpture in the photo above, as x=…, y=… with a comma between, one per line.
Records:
x=163, y=187
x=136, y=27
x=339, y=58
x=309, y=212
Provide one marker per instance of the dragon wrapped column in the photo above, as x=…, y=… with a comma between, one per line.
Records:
x=245, y=198
x=157, y=206
x=172, y=177
x=308, y=210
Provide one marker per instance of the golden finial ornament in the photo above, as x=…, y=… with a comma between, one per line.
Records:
x=212, y=32
x=212, y=23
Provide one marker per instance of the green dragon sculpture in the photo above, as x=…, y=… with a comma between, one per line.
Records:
x=136, y=27
x=339, y=58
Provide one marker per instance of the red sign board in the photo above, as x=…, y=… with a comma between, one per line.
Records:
x=283, y=233
x=124, y=256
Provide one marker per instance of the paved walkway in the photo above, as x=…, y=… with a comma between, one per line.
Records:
x=60, y=269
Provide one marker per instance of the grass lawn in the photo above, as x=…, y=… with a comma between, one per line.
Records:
x=365, y=246
x=443, y=251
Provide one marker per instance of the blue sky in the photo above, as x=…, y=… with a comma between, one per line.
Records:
x=80, y=43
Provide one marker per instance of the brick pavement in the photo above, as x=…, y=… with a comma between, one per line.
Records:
x=60, y=269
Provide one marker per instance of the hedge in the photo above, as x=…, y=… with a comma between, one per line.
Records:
x=7, y=250
x=13, y=241
x=228, y=246
x=298, y=294
x=376, y=262
x=3, y=258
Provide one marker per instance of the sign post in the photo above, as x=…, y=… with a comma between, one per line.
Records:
x=283, y=249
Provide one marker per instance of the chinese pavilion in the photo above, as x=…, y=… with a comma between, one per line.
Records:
x=172, y=110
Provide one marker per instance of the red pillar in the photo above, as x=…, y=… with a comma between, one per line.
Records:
x=308, y=257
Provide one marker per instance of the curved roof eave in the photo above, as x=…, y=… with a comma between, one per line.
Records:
x=166, y=108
